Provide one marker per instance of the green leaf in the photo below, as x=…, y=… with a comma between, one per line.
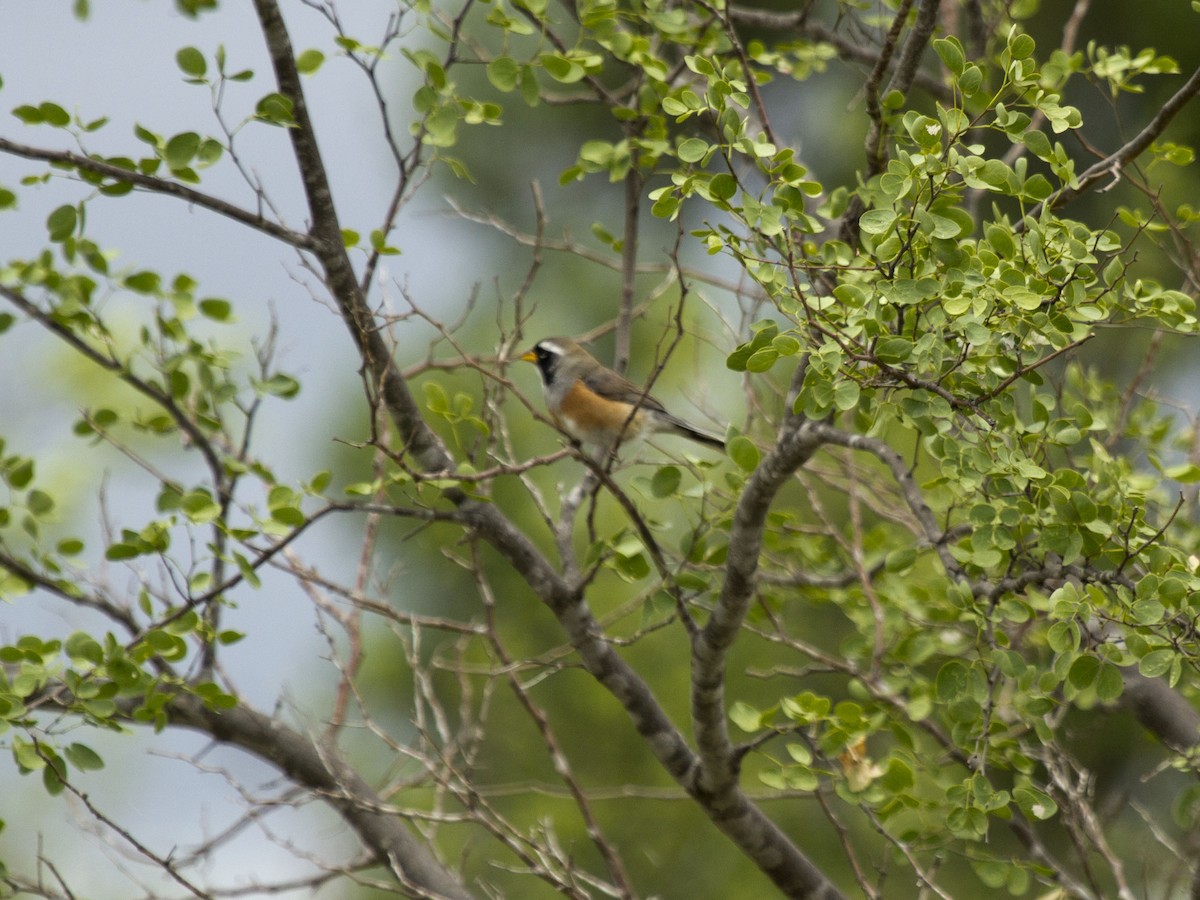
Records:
x=762, y=360
x=1022, y=297
x=309, y=61
x=82, y=647
x=30, y=115
x=504, y=73
x=20, y=472
x=144, y=282
x=275, y=109
x=1038, y=144
x=163, y=643
x=665, y=481
x=893, y=350
x=898, y=777
x=70, y=547
x=216, y=309
x=745, y=717
x=1148, y=612
x=183, y=624
x=877, y=221
x=191, y=62
x=83, y=757
x=1186, y=473
x=181, y=149
x=800, y=753
x=846, y=395
x=39, y=502
x=199, y=506
x=26, y=755
x=247, y=570
x=120, y=551
x=561, y=68
x=53, y=114
x=1022, y=46
x=900, y=560
x=290, y=516
x=53, y=778
x=971, y=80
x=786, y=345
x=951, y=683
x=1110, y=684
x=723, y=186
x=693, y=150
x=666, y=203
x=281, y=385
x=379, y=244
x=62, y=222
x=146, y=136
x=100, y=708
x=1084, y=672
x=531, y=92
x=673, y=107
x=951, y=53
x=743, y=452
x=11, y=707
x=1156, y=663
x=1034, y=803
x=1063, y=637
x=214, y=697
x=1038, y=187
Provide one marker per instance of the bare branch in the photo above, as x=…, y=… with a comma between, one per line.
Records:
x=330, y=250
x=322, y=770
x=163, y=862
x=1109, y=168
x=873, y=88
x=914, y=47
x=154, y=185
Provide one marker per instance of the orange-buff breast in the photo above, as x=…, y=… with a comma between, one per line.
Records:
x=585, y=413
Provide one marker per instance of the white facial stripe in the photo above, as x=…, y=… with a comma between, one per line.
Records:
x=552, y=347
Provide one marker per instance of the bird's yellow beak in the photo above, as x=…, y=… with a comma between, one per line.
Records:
x=529, y=356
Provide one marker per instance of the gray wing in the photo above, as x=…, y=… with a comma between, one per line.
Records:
x=608, y=383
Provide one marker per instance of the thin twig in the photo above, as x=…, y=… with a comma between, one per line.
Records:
x=155, y=185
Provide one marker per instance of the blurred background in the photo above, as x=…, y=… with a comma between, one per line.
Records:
x=120, y=63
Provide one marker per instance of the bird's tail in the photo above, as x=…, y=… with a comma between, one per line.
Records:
x=683, y=429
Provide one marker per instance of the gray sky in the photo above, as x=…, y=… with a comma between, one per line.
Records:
x=121, y=64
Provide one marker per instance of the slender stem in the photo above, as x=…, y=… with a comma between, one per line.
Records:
x=160, y=186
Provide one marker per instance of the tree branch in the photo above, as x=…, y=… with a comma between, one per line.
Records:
x=160, y=186
x=873, y=89
x=918, y=39
x=330, y=251
x=321, y=769
x=717, y=778
x=181, y=417
x=847, y=48
x=1110, y=167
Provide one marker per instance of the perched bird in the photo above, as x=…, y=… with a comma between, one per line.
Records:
x=595, y=405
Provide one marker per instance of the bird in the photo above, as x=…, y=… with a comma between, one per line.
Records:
x=595, y=405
